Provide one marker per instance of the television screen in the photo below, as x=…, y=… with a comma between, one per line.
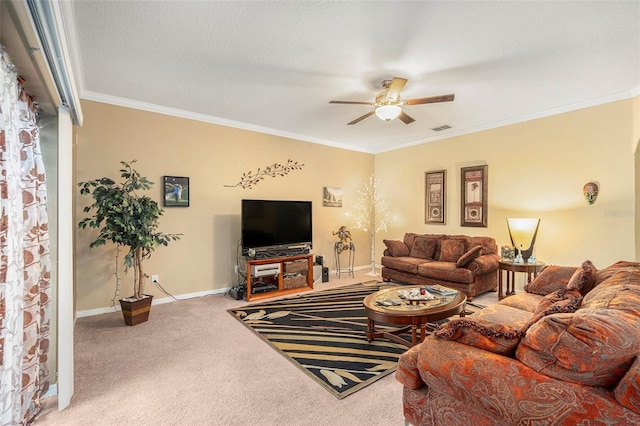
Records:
x=272, y=224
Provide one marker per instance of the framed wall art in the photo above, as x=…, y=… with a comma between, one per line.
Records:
x=474, y=196
x=332, y=197
x=176, y=191
x=435, y=197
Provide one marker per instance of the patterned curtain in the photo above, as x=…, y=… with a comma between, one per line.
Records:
x=24, y=255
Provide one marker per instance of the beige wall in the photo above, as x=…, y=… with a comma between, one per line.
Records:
x=536, y=168
x=211, y=156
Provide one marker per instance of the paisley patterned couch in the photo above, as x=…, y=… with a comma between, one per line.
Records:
x=565, y=351
x=467, y=264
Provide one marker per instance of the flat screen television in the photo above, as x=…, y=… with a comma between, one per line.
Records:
x=275, y=225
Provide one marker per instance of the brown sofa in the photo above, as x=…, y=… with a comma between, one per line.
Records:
x=468, y=264
x=547, y=356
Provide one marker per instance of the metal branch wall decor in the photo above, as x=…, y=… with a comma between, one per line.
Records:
x=250, y=179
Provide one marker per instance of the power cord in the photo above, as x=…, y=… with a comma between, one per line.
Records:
x=156, y=282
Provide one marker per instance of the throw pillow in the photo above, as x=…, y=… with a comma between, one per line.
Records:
x=470, y=255
x=424, y=247
x=558, y=302
x=592, y=347
x=396, y=248
x=497, y=338
x=552, y=278
x=451, y=250
x=583, y=278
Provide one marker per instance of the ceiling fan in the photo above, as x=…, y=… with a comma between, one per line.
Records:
x=387, y=105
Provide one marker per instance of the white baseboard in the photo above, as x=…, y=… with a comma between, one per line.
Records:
x=159, y=301
x=156, y=301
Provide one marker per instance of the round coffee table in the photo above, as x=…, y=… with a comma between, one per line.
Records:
x=411, y=314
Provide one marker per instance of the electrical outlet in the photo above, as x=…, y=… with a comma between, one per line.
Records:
x=154, y=279
x=235, y=268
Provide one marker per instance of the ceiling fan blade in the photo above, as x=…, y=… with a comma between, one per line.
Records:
x=430, y=100
x=396, y=87
x=359, y=119
x=351, y=102
x=405, y=118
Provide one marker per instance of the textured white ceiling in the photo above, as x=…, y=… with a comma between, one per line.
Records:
x=273, y=66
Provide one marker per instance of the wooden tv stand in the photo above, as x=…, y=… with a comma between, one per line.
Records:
x=289, y=279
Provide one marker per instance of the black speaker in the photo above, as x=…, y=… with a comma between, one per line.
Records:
x=319, y=260
x=325, y=274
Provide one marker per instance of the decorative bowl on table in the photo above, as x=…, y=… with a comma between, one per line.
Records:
x=415, y=296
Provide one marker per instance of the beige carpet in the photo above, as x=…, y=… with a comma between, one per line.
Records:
x=194, y=364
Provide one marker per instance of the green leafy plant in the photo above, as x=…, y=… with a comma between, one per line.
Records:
x=126, y=219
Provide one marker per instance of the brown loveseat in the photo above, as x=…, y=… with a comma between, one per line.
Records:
x=547, y=356
x=468, y=264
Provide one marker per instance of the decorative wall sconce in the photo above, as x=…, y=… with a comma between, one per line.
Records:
x=590, y=191
x=523, y=233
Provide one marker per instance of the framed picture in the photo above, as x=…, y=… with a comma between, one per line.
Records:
x=474, y=196
x=434, y=197
x=176, y=191
x=332, y=197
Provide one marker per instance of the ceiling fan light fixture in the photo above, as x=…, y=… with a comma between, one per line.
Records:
x=388, y=112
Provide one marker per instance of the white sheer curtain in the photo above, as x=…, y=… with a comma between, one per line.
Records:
x=24, y=255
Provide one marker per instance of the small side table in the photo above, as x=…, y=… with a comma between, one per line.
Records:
x=510, y=267
x=338, y=248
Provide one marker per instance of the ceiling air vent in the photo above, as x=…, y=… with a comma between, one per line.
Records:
x=441, y=128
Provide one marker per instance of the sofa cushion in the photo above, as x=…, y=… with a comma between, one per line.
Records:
x=627, y=392
x=606, y=273
x=397, y=248
x=471, y=254
x=408, y=239
x=424, y=247
x=451, y=250
x=501, y=314
x=552, y=278
x=497, y=338
x=525, y=301
x=594, y=347
x=403, y=264
x=445, y=271
x=488, y=244
x=620, y=292
x=583, y=278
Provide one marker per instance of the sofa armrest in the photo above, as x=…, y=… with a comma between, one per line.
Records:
x=509, y=391
x=484, y=264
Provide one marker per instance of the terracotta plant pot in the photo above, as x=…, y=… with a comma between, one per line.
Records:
x=136, y=311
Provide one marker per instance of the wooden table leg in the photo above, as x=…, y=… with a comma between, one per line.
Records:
x=500, y=295
x=371, y=328
x=414, y=337
x=511, y=283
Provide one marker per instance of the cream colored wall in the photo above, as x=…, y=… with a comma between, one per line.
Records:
x=211, y=156
x=536, y=168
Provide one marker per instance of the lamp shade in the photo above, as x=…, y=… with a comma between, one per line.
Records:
x=523, y=233
x=388, y=112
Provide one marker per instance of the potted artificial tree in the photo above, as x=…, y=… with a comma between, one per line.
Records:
x=128, y=220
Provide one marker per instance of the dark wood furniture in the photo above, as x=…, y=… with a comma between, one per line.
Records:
x=510, y=267
x=411, y=316
x=294, y=275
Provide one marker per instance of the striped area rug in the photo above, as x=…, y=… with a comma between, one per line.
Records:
x=324, y=334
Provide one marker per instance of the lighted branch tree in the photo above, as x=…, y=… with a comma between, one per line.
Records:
x=371, y=214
